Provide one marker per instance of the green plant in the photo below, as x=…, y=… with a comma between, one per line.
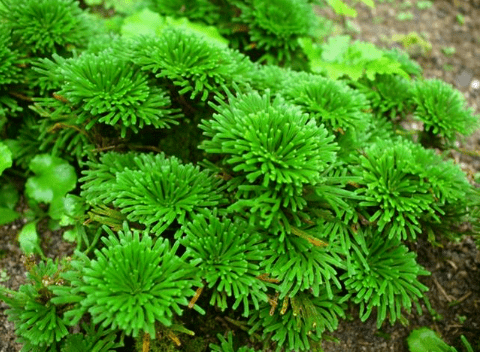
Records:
x=405, y=16
x=460, y=19
x=132, y=282
x=211, y=195
x=443, y=111
x=404, y=192
x=227, y=345
x=448, y=51
x=406, y=4
x=422, y=5
x=275, y=27
x=4, y=275
x=425, y=340
x=413, y=43
x=338, y=57
x=384, y=275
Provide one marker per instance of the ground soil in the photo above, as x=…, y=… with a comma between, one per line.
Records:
x=455, y=280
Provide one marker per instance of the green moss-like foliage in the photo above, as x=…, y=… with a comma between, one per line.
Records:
x=230, y=254
x=331, y=103
x=43, y=27
x=197, y=10
x=404, y=184
x=389, y=95
x=190, y=62
x=266, y=146
x=292, y=197
x=275, y=26
x=227, y=345
x=131, y=283
x=384, y=277
x=300, y=328
x=299, y=265
x=151, y=189
x=9, y=74
x=9, y=58
x=94, y=339
x=38, y=322
x=443, y=111
x=105, y=89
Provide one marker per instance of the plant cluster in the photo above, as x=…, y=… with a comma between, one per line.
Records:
x=207, y=192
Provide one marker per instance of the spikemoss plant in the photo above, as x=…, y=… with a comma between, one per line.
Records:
x=443, y=111
x=131, y=283
x=215, y=194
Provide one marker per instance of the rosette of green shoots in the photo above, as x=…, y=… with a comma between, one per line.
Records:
x=443, y=111
x=39, y=322
x=406, y=185
x=43, y=27
x=131, y=283
x=383, y=275
x=150, y=189
x=190, y=62
x=297, y=323
x=274, y=27
x=271, y=150
x=229, y=255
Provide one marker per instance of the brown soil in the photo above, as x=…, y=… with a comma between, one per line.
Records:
x=454, y=283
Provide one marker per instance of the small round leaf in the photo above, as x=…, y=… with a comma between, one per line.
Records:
x=54, y=178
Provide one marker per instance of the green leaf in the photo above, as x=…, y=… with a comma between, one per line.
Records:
x=74, y=208
x=29, y=239
x=339, y=58
x=54, y=178
x=335, y=48
x=341, y=8
x=313, y=52
x=369, y=3
x=5, y=157
x=425, y=340
x=8, y=196
x=8, y=215
x=70, y=235
x=147, y=22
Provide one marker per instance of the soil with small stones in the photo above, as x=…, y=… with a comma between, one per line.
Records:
x=454, y=283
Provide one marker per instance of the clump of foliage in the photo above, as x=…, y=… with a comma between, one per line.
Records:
x=443, y=111
x=209, y=195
